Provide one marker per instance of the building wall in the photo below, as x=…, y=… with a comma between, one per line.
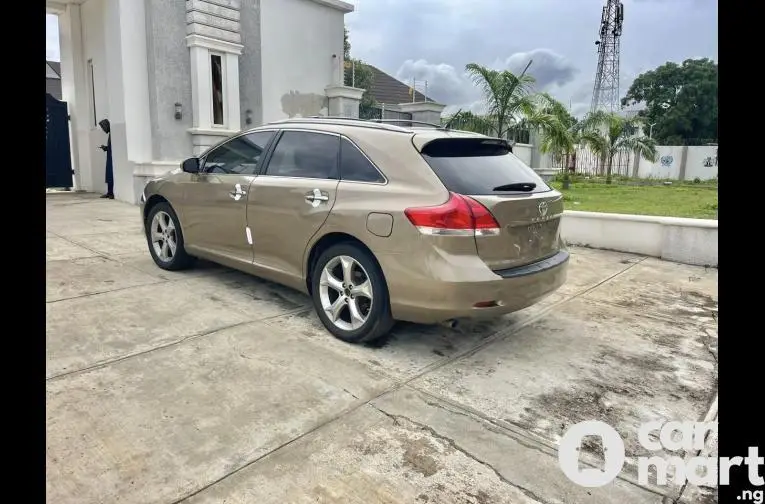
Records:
x=299, y=38
x=169, y=71
x=250, y=64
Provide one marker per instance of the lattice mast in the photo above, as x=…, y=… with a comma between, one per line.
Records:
x=605, y=95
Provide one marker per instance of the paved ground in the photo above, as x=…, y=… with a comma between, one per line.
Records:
x=210, y=386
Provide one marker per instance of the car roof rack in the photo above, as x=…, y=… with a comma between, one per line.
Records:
x=388, y=122
x=344, y=121
x=407, y=121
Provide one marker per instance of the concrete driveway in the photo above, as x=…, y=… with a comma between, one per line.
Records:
x=211, y=386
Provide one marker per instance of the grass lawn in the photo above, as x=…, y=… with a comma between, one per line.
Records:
x=677, y=200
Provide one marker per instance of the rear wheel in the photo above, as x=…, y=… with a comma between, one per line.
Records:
x=350, y=295
x=165, y=239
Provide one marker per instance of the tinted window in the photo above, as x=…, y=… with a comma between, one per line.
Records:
x=306, y=155
x=239, y=156
x=478, y=166
x=355, y=166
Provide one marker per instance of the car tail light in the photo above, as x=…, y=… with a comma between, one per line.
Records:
x=459, y=216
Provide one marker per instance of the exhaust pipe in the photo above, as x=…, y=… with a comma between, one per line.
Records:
x=451, y=323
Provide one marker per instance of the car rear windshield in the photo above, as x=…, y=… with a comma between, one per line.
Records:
x=480, y=166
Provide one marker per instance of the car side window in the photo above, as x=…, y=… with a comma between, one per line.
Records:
x=354, y=165
x=306, y=155
x=240, y=155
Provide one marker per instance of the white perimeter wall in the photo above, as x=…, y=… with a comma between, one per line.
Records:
x=667, y=166
x=523, y=152
x=298, y=40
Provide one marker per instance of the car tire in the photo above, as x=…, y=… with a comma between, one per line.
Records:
x=163, y=221
x=375, y=310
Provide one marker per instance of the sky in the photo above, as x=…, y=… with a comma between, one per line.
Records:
x=52, y=52
x=433, y=40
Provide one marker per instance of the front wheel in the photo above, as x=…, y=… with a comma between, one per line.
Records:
x=165, y=239
x=350, y=295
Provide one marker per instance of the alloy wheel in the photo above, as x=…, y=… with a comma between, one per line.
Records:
x=345, y=291
x=164, y=239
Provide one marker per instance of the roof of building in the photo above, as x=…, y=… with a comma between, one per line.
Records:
x=52, y=70
x=391, y=91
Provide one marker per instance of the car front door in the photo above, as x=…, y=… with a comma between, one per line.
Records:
x=290, y=201
x=215, y=200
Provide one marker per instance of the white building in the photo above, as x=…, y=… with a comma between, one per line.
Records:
x=176, y=76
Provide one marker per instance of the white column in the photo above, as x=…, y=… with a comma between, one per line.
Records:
x=231, y=92
x=128, y=92
x=135, y=75
x=74, y=91
x=201, y=87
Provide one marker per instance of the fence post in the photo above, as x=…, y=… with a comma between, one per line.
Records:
x=683, y=160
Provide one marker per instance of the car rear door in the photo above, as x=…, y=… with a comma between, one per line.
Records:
x=291, y=199
x=215, y=200
x=527, y=210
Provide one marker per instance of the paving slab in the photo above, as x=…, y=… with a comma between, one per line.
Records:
x=367, y=457
x=61, y=249
x=678, y=292
x=142, y=261
x=253, y=296
x=88, y=276
x=585, y=361
x=163, y=425
x=114, y=244
x=405, y=447
x=87, y=331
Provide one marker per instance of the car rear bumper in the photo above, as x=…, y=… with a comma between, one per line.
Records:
x=476, y=291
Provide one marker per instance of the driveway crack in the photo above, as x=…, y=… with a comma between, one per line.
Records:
x=453, y=444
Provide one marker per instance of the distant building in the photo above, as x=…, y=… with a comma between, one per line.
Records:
x=394, y=100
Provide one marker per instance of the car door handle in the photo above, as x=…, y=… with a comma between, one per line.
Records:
x=316, y=197
x=237, y=193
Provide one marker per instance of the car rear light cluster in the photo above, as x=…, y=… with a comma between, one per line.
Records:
x=459, y=216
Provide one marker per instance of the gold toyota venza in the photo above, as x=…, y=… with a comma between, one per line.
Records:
x=376, y=222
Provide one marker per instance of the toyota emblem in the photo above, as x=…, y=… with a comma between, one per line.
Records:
x=543, y=208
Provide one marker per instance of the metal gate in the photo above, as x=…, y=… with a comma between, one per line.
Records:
x=58, y=161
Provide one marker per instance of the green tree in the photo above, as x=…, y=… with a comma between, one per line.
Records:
x=508, y=98
x=607, y=133
x=680, y=101
x=560, y=135
x=358, y=73
x=510, y=103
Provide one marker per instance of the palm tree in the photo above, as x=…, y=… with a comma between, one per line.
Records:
x=607, y=133
x=508, y=98
x=559, y=136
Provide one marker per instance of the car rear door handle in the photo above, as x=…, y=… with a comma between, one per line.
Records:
x=315, y=197
x=237, y=193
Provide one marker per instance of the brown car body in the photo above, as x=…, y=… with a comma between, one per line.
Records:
x=270, y=230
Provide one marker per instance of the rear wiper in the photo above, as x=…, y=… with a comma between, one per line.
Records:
x=517, y=186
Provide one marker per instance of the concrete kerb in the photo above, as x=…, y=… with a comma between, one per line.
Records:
x=688, y=241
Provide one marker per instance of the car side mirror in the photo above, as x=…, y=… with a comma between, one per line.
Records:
x=191, y=165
